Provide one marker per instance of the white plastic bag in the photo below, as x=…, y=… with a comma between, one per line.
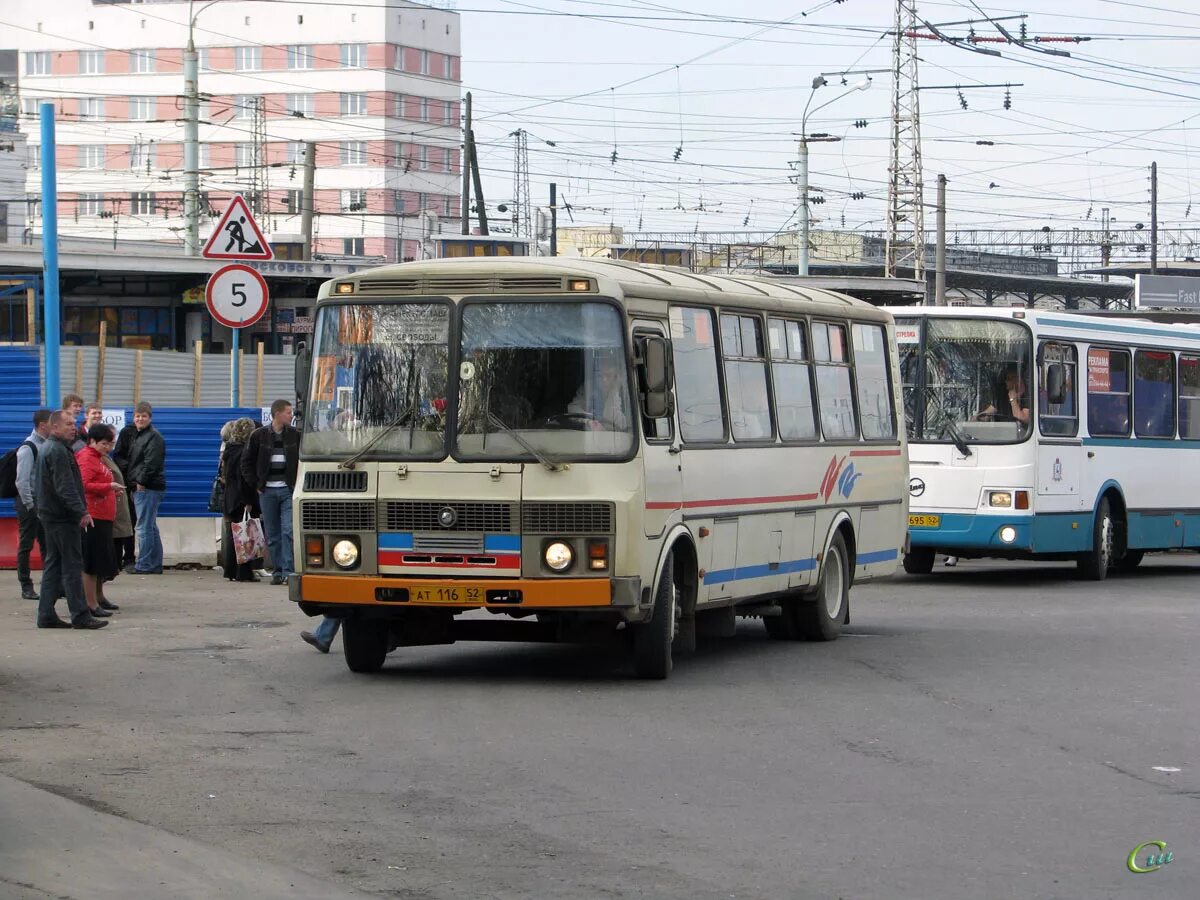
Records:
x=249, y=542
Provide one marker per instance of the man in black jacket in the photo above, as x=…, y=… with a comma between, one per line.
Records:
x=62, y=510
x=147, y=482
x=126, y=557
x=269, y=462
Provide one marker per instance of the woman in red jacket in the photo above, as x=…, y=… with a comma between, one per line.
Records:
x=101, y=493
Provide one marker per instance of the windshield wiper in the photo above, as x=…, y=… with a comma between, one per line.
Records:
x=348, y=462
x=948, y=423
x=551, y=464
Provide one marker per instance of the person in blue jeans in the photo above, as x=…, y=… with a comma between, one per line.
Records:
x=148, y=482
x=269, y=462
x=322, y=636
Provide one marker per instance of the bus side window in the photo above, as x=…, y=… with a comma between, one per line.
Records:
x=1189, y=397
x=834, y=393
x=1058, y=413
x=871, y=375
x=746, y=378
x=1154, y=393
x=697, y=382
x=792, y=376
x=1108, y=392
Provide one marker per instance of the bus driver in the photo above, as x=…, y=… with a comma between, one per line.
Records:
x=1015, y=402
x=602, y=399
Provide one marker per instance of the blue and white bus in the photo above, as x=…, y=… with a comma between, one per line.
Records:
x=1049, y=435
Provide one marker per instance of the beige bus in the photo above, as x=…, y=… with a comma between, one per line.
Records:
x=533, y=449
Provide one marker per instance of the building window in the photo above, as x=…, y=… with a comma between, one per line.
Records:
x=299, y=56
x=32, y=106
x=301, y=105
x=90, y=204
x=354, y=104
x=295, y=152
x=424, y=109
x=141, y=203
x=244, y=105
x=91, y=109
x=354, y=246
x=354, y=153
x=244, y=155
x=204, y=155
x=354, y=201
x=834, y=393
x=448, y=114
x=874, y=388
x=202, y=59
x=141, y=62
x=696, y=381
x=247, y=59
x=141, y=156
x=37, y=63
x=1154, y=393
x=400, y=207
x=91, y=156
x=354, y=55
x=447, y=160
x=1058, y=415
x=424, y=62
x=293, y=202
x=793, y=380
x=91, y=62
x=1108, y=394
x=423, y=156
x=33, y=155
x=141, y=109
x=447, y=66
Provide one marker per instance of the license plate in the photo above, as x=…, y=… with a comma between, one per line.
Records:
x=924, y=521
x=441, y=593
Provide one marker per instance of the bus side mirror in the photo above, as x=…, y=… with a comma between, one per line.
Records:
x=303, y=370
x=1056, y=383
x=655, y=364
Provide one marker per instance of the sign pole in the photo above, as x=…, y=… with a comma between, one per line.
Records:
x=234, y=373
x=50, y=295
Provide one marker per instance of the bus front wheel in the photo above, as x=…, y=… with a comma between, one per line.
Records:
x=365, y=643
x=1095, y=564
x=919, y=561
x=652, y=640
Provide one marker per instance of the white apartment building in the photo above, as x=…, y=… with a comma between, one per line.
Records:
x=376, y=84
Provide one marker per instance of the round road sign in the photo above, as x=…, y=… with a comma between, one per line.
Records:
x=236, y=296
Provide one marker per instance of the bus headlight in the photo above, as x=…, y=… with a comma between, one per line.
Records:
x=558, y=556
x=345, y=553
x=1008, y=534
x=1000, y=498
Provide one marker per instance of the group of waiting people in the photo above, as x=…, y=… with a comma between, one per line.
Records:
x=79, y=487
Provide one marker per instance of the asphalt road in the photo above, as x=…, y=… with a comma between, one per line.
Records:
x=994, y=731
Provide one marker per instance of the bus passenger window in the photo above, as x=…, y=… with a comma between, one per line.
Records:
x=1154, y=393
x=1189, y=397
x=793, y=381
x=746, y=378
x=834, y=393
x=697, y=386
x=874, y=390
x=1108, y=392
x=1058, y=414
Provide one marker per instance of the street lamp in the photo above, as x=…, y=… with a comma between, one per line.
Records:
x=802, y=167
x=191, y=137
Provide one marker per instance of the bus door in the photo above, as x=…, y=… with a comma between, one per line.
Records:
x=661, y=458
x=1060, y=449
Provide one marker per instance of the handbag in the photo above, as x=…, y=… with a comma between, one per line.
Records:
x=249, y=542
x=216, y=496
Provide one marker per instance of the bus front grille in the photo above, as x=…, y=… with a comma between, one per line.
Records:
x=425, y=515
x=335, y=482
x=567, y=518
x=337, y=515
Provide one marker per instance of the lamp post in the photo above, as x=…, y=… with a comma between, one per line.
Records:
x=191, y=137
x=802, y=165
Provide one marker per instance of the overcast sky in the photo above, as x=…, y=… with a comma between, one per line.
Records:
x=727, y=84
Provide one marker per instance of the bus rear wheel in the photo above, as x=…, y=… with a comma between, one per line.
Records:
x=365, y=643
x=821, y=618
x=1094, y=565
x=919, y=561
x=652, y=640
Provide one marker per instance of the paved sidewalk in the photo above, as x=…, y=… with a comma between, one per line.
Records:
x=54, y=847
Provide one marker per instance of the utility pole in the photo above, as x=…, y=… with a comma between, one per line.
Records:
x=522, y=216
x=939, y=259
x=50, y=295
x=306, y=197
x=802, y=186
x=191, y=147
x=1105, y=242
x=466, y=164
x=481, y=209
x=1153, y=218
x=553, y=218
x=906, y=201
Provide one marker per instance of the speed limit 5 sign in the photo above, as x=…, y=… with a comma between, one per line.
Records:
x=236, y=296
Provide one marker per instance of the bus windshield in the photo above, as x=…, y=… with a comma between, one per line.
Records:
x=379, y=380
x=966, y=380
x=546, y=380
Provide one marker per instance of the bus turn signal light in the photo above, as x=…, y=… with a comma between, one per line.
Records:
x=314, y=551
x=597, y=555
x=1022, y=499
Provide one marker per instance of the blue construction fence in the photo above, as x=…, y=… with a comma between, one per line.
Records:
x=193, y=438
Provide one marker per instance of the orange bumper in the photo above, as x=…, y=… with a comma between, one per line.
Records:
x=351, y=590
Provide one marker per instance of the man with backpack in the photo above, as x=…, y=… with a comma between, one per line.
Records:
x=16, y=481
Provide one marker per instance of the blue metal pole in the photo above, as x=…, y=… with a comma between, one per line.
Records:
x=235, y=394
x=52, y=302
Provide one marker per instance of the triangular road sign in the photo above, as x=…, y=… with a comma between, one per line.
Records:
x=237, y=235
